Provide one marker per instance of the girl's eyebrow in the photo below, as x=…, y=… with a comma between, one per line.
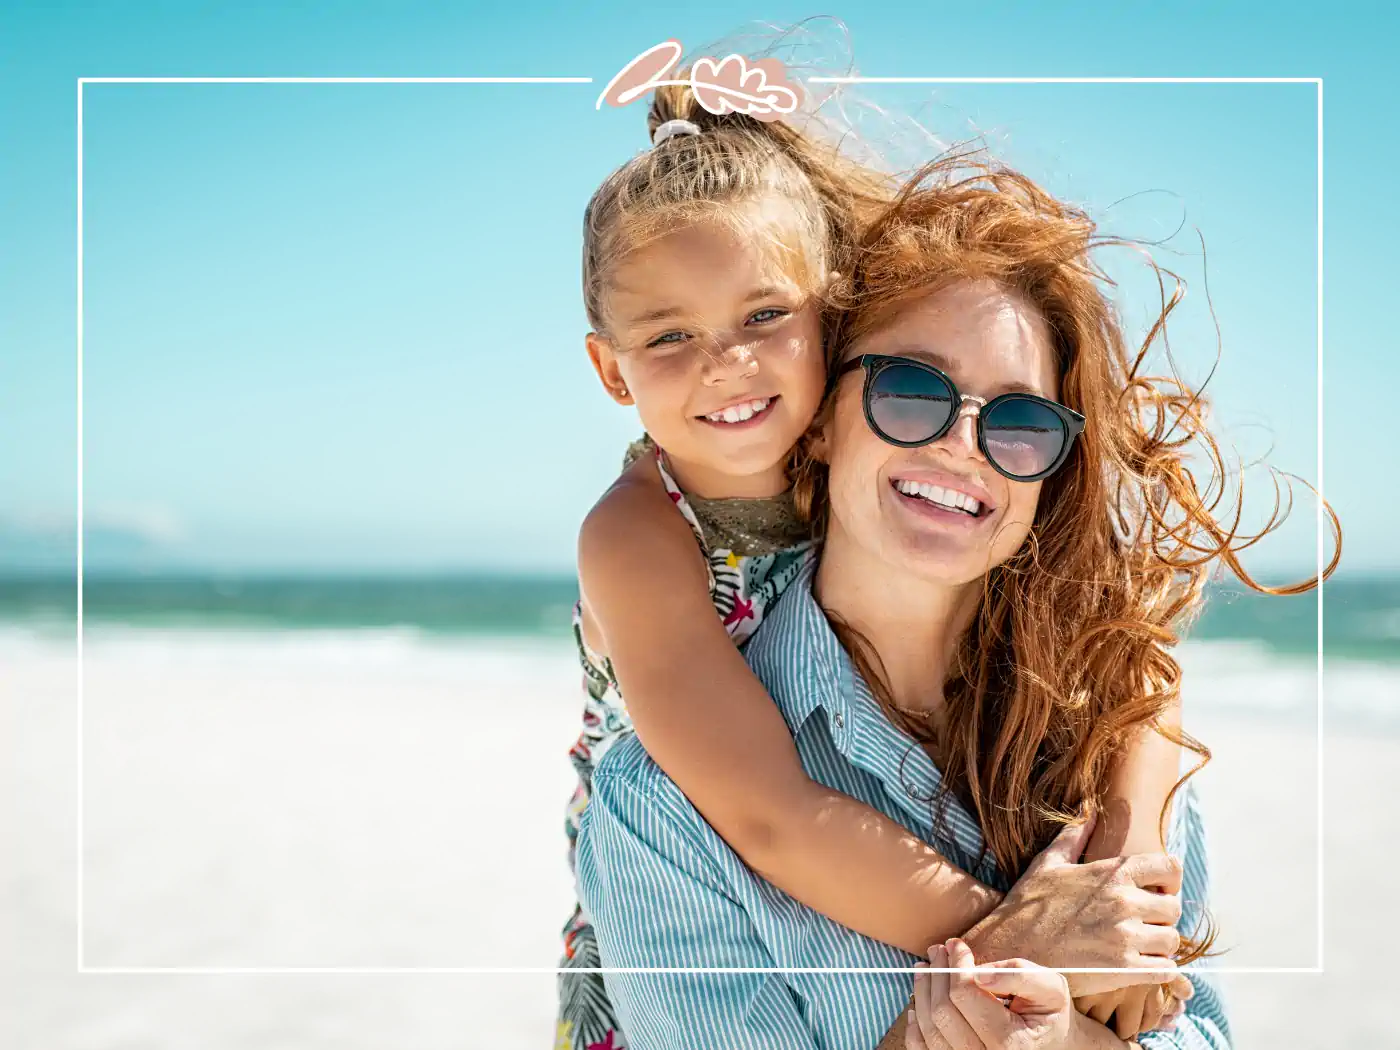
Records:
x=764, y=292
x=649, y=316
x=664, y=312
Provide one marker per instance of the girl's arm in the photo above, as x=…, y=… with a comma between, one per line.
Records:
x=709, y=723
x=1140, y=780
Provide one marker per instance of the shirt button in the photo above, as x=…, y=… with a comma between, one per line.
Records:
x=839, y=720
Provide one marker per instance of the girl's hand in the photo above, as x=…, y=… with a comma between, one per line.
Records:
x=1140, y=1009
x=1021, y=1007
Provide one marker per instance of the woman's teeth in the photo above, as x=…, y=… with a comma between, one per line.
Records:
x=948, y=498
x=740, y=413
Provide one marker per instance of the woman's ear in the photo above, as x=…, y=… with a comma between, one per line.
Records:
x=604, y=358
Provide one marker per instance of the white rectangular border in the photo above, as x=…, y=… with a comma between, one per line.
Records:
x=82, y=968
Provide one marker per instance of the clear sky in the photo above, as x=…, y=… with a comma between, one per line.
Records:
x=340, y=326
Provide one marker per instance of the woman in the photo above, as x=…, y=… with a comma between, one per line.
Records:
x=1009, y=537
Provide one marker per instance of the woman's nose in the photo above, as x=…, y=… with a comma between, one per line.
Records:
x=962, y=436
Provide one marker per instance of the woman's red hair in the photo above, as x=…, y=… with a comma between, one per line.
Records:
x=1069, y=653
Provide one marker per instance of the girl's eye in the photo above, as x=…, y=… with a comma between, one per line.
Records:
x=769, y=313
x=666, y=339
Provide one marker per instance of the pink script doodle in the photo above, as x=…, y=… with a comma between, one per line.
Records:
x=730, y=85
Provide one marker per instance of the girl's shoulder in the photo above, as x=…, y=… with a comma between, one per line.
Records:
x=633, y=524
x=644, y=446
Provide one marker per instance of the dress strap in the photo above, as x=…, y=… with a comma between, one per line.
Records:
x=683, y=505
x=678, y=498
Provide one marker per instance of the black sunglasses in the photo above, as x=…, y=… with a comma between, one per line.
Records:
x=910, y=403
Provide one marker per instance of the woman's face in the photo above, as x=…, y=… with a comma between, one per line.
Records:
x=989, y=341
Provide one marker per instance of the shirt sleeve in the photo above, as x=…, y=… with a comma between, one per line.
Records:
x=657, y=898
x=1204, y=1025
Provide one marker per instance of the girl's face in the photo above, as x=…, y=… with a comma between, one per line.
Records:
x=989, y=341
x=720, y=350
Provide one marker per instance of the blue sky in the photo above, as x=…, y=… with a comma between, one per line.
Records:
x=340, y=326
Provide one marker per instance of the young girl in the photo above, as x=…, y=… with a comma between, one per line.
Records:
x=705, y=266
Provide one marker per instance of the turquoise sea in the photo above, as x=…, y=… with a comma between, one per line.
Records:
x=1361, y=616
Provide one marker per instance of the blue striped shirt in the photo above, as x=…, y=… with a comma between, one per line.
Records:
x=664, y=890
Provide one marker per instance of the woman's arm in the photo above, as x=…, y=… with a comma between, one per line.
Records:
x=709, y=723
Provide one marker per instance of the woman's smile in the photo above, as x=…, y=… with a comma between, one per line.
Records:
x=945, y=506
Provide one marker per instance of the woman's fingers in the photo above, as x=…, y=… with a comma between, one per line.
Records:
x=977, y=996
x=929, y=989
x=1173, y=1015
x=1157, y=941
x=1158, y=870
x=1161, y=908
x=913, y=1035
x=1103, y=1007
x=1033, y=989
x=1128, y=1017
x=951, y=1025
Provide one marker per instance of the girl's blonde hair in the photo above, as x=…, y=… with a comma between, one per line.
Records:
x=735, y=160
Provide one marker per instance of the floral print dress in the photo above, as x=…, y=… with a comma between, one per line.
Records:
x=754, y=549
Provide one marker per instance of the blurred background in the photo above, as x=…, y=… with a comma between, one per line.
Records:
x=339, y=431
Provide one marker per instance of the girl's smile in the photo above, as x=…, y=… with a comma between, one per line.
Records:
x=748, y=412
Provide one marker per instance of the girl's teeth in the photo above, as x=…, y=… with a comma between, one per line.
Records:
x=941, y=496
x=739, y=413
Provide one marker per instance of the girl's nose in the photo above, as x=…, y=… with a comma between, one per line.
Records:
x=732, y=362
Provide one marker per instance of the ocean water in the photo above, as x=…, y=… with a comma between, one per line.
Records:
x=1247, y=652
x=1361, y=616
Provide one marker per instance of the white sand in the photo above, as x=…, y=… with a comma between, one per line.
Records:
x=304, y=802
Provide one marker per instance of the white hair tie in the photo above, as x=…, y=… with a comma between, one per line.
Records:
x=672, y=128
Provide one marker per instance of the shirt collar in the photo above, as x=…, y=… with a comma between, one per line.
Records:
x=807, y=671
x=797, y=656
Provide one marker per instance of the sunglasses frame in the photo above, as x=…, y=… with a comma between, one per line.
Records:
x=875, y=364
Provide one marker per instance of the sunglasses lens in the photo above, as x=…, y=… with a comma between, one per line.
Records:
x=909, y=404
x=1023, y=437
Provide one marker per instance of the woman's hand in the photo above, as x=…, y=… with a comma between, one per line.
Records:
x=1143, y=1008
x=1066, y=914
x=1022, y=1006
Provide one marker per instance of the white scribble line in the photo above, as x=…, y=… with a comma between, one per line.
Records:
x=334, y=80
x=1064, y=80
x=80, y=525
x=1321, y=540
x=157, y=970
x=543, y=970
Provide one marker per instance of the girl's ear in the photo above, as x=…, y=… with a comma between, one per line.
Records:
x=604, y=358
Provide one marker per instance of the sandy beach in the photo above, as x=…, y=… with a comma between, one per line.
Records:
x=328, y=800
